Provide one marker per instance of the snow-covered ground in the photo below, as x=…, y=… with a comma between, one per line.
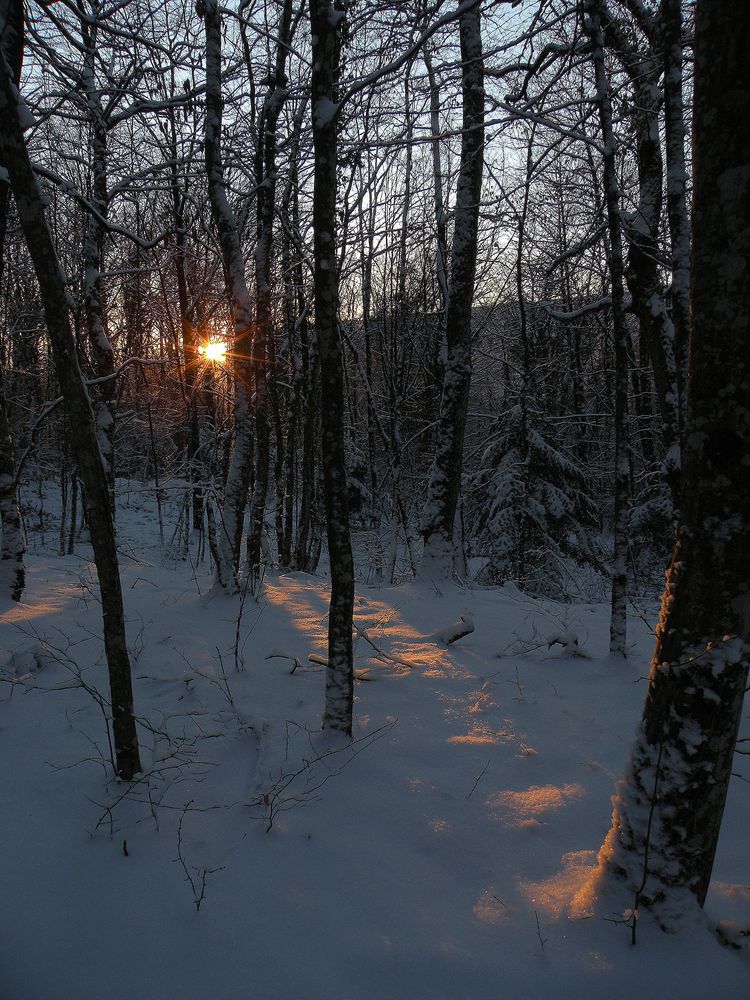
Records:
x=433, y=858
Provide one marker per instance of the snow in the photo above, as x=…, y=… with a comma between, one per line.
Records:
x=434, y=857
x=324, y=112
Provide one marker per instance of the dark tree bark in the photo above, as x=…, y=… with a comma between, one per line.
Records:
x=641, y=229
x=327, y=22
x=668, y=810
x=617, y=630
x=439, y=515
x=30, y=206
x=677, y=208
x=12, y=574
x=262, y=341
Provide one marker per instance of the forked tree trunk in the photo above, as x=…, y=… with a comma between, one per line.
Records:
x=51, y=278
x=229, y=530
x=326, y=22
x=668, y=810
x=439, y=515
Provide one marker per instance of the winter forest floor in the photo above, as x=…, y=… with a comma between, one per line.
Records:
x=433, y=858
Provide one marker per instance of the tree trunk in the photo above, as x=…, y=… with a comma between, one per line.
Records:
x=102, y=355
x=677, y=209
x=439, y=515
x=617, y=630
x=326, y=22
x=668, y=810
x=51, y=278
x=266, y=204
x=12, y=574
x=229, y=531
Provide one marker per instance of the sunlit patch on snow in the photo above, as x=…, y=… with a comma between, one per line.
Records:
x=480, y=733
x=33, y=608
x=554, y=894
x=482, y=700
x=516, y=809
x=731, y=890
x=489, y=908
x=306, y=606
x=441, y=826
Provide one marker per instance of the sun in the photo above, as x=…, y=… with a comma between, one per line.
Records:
x=214, y=350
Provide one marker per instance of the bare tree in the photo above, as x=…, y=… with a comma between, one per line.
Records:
x=668, y=810
x=327, y=25
x=439, y=515
x=618, y=623
x=52, y=284
x=12, y=574
x=229, y=533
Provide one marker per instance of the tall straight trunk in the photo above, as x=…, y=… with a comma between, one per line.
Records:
x=677, y=207
x=326, y=22
x=400, y=335
x=30, y=206
x=295, y=312
x=229, y=531
x=102, y=354
x=12, y=573
x=441, y=241
x=643, y=67
x=668, y=810
x=618, y=627
x=523, y=398
x=188, y=332
x=266, y=204
x=439, y=515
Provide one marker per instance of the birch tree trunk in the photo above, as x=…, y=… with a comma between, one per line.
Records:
x=30, y=207
x=439, y=515
x=668, y=810
x=326, y=22
x=618, y=628
x=229, y=531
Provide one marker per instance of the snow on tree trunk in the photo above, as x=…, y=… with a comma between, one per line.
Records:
x=438, y=517
x=617, y=631
x=644, y=279
x=229, y=530
x=30, y=207
x=266, y=198
x=102, y=354
x=668, y=810
x=326, y=23
x=677, y=209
